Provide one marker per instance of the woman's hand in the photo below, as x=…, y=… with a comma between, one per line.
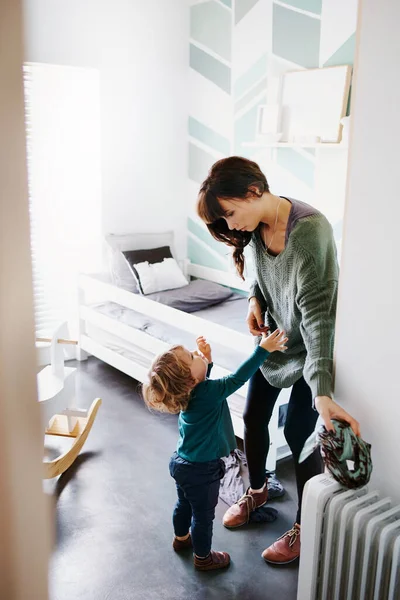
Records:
x=204, y=347
x=254, y=319
x=328, y=409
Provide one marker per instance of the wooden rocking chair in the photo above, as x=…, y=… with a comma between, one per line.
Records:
x=60, y=415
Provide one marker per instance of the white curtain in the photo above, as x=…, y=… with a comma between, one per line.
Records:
x=64, y=172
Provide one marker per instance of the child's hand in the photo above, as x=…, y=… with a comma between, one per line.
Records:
x=204, y=347
x=274, y=342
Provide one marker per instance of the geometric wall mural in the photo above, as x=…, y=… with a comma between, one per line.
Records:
x=238, y=51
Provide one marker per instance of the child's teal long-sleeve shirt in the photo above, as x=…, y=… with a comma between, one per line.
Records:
x=205, y=427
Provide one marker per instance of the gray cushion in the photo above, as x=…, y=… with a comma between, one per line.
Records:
x=196, y=295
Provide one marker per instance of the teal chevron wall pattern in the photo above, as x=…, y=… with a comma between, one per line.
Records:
x=238, y=51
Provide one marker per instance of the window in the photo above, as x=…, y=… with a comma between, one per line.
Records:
x=64, y=175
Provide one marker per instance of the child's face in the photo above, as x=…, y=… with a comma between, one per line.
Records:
x=197, y=363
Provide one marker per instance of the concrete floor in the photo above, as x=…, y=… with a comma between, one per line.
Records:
x=113, y=513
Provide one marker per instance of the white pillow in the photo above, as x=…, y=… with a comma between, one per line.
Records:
x=121, y=274
x=157, y=277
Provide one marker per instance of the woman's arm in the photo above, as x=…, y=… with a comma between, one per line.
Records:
x=255, y=318
x=316, y=298
x=328, y=409
x=317, y=274
x=317, y=304
x=255, y=291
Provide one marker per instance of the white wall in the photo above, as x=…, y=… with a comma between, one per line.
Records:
x=368, y=329
x=141, y=50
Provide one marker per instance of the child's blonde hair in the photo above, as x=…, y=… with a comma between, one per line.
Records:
x=170, y=383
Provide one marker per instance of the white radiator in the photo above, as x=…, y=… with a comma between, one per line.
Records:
x=350, y=544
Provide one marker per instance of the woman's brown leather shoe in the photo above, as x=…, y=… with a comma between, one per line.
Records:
x=239, y=514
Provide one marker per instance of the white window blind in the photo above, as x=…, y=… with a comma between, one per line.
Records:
x=64, y=174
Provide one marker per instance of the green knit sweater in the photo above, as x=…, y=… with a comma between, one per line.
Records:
x=298, y=291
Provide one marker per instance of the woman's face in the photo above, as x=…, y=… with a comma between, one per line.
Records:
x=242, y=215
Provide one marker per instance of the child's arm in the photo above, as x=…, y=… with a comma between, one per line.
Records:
x=204, y=347
x=224, y=387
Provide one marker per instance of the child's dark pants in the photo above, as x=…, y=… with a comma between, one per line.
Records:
x=197, y=485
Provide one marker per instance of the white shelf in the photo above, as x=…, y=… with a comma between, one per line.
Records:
x=295, y=145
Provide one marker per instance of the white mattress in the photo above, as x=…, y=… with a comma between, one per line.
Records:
x=231, y=313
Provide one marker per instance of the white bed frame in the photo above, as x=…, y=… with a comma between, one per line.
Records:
x=95, y=288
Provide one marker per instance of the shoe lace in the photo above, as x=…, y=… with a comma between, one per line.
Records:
x=292, y=534
x=250, y=502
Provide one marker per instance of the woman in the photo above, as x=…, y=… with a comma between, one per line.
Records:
x=295, y=261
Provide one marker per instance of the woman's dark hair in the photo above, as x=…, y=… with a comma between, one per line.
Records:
x=230, y=178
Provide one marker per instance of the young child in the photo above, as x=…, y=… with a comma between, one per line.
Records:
x=178, y=383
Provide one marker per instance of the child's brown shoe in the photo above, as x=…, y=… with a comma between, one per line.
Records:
x=215, y=560
x=179, y=545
